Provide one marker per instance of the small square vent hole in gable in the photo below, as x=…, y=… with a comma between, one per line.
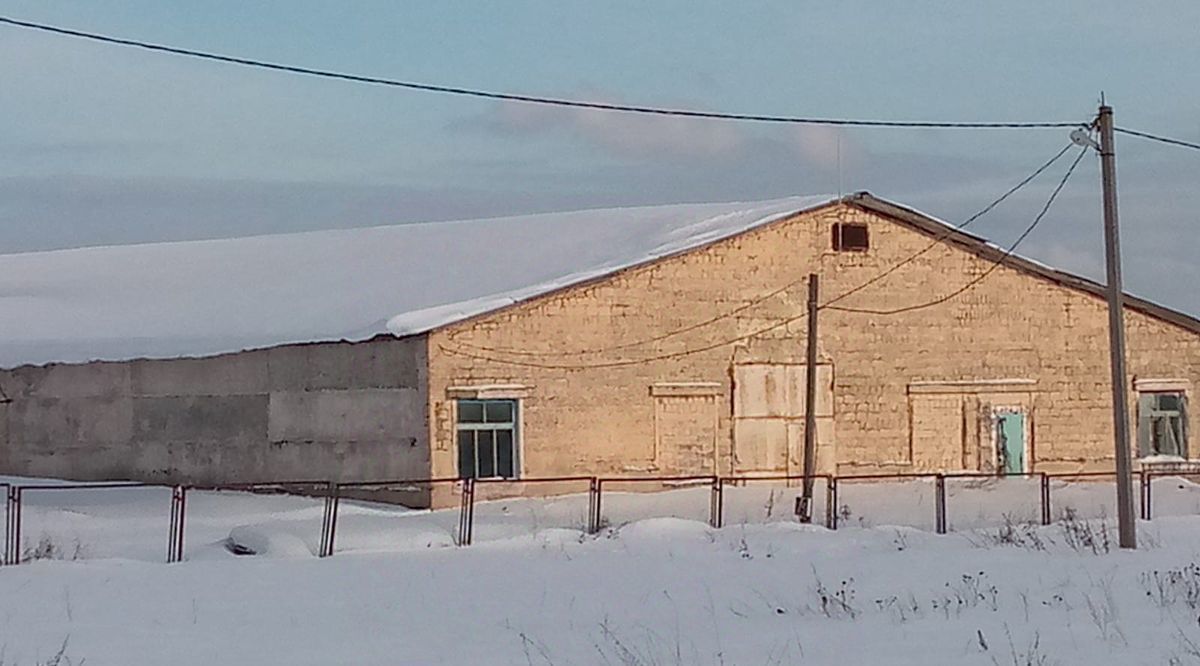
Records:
x=850, y=237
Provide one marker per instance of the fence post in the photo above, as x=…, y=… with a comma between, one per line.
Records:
x=12, y=526
x=1045, y=499
x=14, y=541
x=7, y=522
x=590, y=527
x=324, y=524
x=466, y=511
x=329, y=524
x=1147, y=481
x=831, y=496
x=337, y=503
x=599, y=517
x=471, y=516
x=182, y=522
x=173, y=526
x=939, y=503
x=178, y=514
x=716, y=507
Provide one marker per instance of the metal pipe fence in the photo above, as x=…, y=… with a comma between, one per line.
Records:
x=181, y=504
x=175, y=535
x=14, y=513
x=549, y=513
x=1147, y=488
x=608, y=499
x=665, y=489
x=1019, y=506
x=743, y=495
x=12, y=525
x=429, y=491
x=329, y=520
x=938, y=490
x=1069, y=478
x=466, y=513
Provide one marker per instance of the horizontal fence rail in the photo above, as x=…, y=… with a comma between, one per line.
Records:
x=1081, y=476
x=720, y=484
x=590, y=520
x=593, y=521
x=15, y=505
x=1147, y=484
x=1041, y=478
x=664, y=482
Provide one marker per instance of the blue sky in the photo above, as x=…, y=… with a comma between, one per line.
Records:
x=106, y=145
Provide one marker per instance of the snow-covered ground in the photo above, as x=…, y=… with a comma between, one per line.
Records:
x=656, y=586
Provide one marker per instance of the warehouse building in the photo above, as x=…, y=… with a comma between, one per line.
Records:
x=660, y=340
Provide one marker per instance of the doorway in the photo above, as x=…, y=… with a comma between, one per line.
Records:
x=768, y=418
x=1011, y=441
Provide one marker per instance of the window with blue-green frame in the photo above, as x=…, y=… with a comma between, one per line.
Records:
x=487, y=439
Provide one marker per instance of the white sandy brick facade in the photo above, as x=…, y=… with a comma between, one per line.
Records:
x=604, y=386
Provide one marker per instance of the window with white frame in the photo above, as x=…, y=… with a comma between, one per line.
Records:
x=487, y=439
x=1162, y=424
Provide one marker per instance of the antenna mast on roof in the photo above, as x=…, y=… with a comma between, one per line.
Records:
x=839, y=163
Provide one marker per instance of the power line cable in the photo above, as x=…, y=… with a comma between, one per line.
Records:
x=783, y=322
x=769, y=295
x=553, y=101
x=980, y=278
x=948, y=231
x=513, y=97
x=1156, y=137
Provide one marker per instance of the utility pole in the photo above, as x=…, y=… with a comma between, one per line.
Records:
x=1127, y=529
x=810, y=400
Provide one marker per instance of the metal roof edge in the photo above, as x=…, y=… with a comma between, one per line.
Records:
x=977, y=245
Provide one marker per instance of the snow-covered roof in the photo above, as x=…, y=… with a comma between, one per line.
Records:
x=206, y=297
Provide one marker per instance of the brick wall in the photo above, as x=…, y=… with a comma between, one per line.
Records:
x=586, y=358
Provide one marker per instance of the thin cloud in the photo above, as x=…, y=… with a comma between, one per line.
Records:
x=827, y=147
x=624, y=135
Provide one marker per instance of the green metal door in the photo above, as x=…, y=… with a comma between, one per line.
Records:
x=1010, y=442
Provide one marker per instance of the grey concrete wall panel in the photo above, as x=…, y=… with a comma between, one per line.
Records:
x=231, y=374
x=5, y=450
x=349, y=461
x=375, y=364
x=301, y=412
x=50, y=423
x=237, y=418
x=67, y=381
x=353, y=415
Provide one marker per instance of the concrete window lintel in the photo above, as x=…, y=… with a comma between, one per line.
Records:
x=973, y=386
x=1156, y=385
x=685, y=389
x=489, y=392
